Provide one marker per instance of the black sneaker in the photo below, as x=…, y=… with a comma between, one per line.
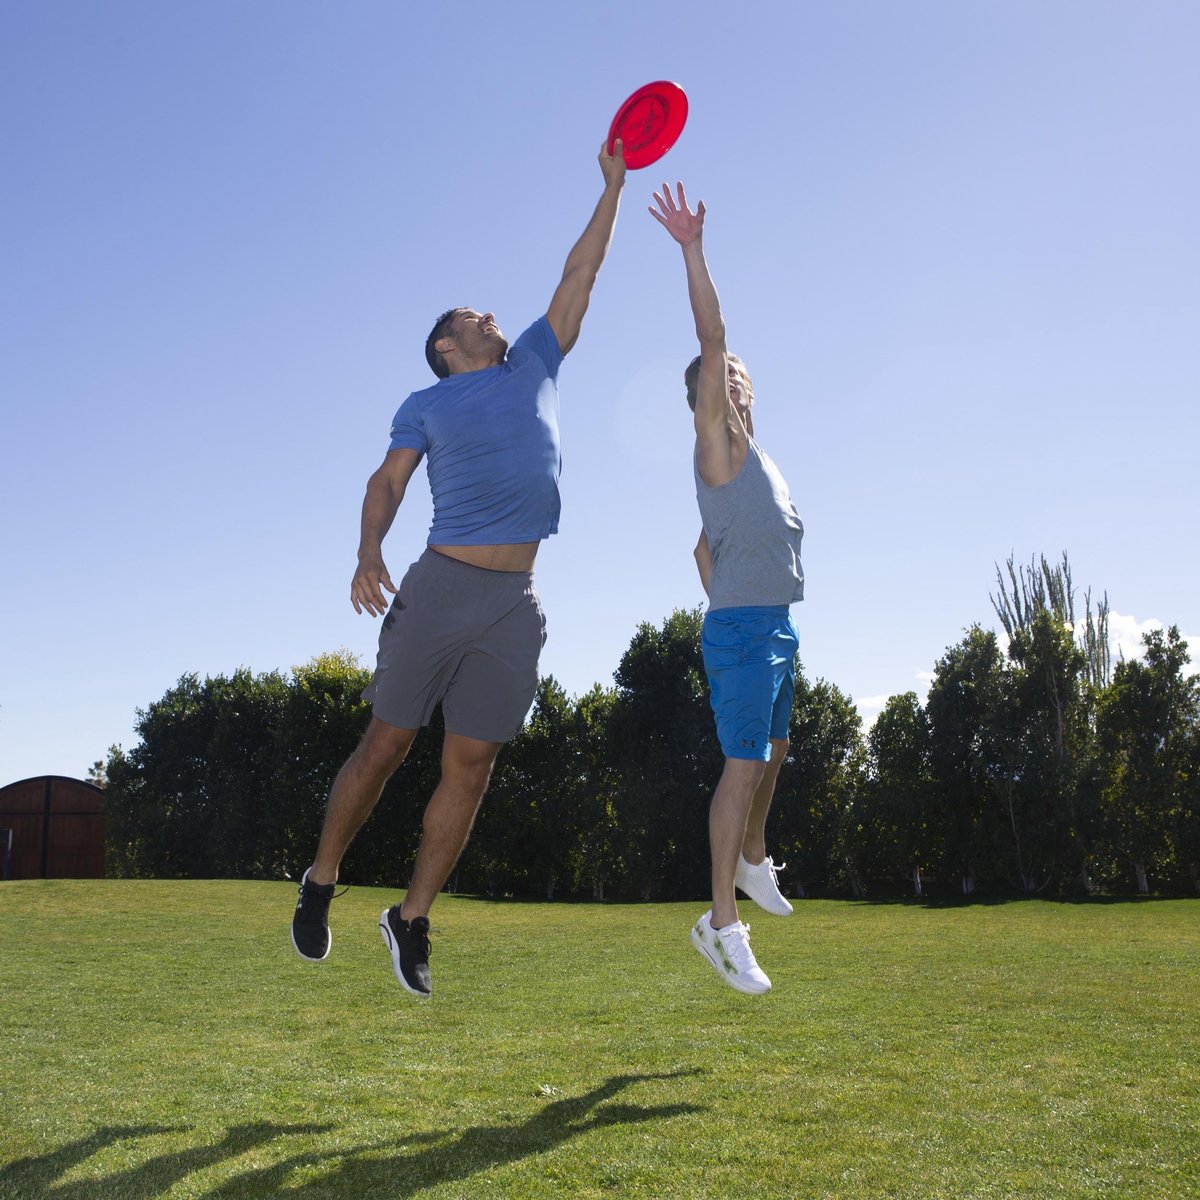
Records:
x=408, y=944
x=310, y=923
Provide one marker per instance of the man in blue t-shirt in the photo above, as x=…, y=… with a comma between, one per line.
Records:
x=465, y=627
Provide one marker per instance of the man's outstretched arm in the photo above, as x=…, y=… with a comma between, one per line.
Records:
x=713, y=429
x=571, y=297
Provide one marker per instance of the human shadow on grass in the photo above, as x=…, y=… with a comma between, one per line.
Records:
x=35, y=1178
x=458, y=1156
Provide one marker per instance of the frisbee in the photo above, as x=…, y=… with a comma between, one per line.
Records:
x=649, y=122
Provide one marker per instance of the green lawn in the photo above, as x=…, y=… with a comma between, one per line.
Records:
x=162, y=1039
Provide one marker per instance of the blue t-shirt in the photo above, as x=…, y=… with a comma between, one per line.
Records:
x=490, y=441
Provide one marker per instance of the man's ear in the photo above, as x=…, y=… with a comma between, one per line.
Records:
x=444, y=344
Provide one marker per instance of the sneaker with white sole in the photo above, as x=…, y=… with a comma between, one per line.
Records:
x=408, y=944
x=761, y=883
x=728, y=950
x=311, y=938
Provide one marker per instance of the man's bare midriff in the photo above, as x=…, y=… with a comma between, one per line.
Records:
x=516, y=556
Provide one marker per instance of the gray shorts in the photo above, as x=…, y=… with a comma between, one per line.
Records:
x=463, y=636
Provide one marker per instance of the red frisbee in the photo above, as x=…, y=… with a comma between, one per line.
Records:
x=649, y=122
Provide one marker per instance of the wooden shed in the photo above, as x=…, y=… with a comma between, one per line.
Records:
x=51, y=827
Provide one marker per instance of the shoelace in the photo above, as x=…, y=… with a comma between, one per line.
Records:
x=774, y=870
x=420, y=939
x=738, y=945
x=309, y=898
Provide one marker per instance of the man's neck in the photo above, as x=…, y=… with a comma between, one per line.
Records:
x=482, y=365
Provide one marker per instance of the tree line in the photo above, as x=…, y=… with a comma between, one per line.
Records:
x=1040, y=769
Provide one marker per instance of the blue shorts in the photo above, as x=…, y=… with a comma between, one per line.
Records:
x=750, y=660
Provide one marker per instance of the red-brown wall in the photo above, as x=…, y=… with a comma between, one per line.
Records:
x=58, y=828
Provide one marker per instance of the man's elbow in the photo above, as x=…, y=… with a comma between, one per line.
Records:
x=384, y=490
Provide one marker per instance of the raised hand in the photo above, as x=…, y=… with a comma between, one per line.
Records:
x=612, y=166
x=676, y=218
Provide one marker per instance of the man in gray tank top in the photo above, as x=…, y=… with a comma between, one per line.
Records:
x=749, y=560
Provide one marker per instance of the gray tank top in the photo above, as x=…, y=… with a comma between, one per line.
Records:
x=754, y=535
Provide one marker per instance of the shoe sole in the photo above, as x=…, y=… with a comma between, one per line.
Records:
x=775, y=912
x=719, y=967
x=385, y=932
x=785, y=911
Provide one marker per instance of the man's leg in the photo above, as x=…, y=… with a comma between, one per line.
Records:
x=718, y=934
x=356, y=791
x=756, y=873
x=354, y=794
x=727, y=816
x=466, y=768
x=449, y=815
x=754, y=844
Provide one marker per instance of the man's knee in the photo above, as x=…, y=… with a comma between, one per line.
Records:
x=744, y=772
x=384, y=747
x=468, y=762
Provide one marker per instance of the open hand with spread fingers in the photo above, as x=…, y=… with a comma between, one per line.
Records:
x=675, y=217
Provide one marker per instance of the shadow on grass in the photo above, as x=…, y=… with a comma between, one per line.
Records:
x=34, y=1178
x=453, y=1155
x=446, y=1156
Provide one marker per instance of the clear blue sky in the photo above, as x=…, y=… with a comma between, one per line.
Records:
x=957, y=245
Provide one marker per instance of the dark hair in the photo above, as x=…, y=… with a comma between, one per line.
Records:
x=691, y=377
x=437, y=364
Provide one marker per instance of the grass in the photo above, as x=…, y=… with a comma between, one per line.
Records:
x=162, y=1039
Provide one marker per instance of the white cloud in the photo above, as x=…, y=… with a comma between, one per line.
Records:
x=1125, y=639
x=869, y=707
x=1125, y=635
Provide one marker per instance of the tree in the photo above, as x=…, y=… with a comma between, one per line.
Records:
x=528, y=823
x=813, y=817
x=665, y=757
x=962, y=705
x=597, y=857
x=1147, y=724
x=1187, y=821
x=1044, y=796
x=1094, y=636
x=322, y=721
x=898, y=834
x=195, y=797
x=1042, y=739
x=230, y=774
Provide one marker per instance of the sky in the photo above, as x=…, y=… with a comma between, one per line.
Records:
x=956, y=245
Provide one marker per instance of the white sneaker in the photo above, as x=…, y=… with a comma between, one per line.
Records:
x=729, y=952
x=761, y=884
